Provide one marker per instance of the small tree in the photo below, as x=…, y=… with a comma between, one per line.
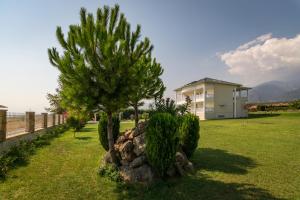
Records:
x=185, y=108
x=148, y=83
x=55, y=102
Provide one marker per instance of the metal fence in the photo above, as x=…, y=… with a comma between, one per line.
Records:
x=16, y=123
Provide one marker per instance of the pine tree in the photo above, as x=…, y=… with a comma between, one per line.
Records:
x=97, y=66
x=149, y=85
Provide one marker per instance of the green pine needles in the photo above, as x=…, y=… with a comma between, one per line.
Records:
x=189, y=133
x=161, y=141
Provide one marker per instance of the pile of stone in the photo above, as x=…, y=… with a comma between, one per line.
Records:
x=130, y=149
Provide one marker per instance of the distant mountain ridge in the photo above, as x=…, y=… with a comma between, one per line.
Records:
x=274, y=91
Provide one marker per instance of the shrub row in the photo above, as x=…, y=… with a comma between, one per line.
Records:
x=19, y=154
x=166, y=134
x=102, y=129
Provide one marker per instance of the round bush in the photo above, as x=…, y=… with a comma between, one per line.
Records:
x=161, y=141
x=189, y=133
x=102, y=130
x=75, y=123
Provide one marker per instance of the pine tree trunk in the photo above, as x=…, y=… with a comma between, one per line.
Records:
x=111, y=139
x=136, y=115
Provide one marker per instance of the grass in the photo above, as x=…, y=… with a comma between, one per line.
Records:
x=255, y=158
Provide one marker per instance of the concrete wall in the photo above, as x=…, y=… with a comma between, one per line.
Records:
x=10, y=142
x=223, y=101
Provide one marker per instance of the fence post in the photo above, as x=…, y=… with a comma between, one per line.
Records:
x=53, y=120
x=3, y=125
x=63, y=118
x=45, y=120
x=30, y=122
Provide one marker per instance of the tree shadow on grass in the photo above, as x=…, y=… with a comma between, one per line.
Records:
x=193, y=187
x=199, y=185
x=222, y=161
x=83, y=138
x=86, y=129
x=262, y=115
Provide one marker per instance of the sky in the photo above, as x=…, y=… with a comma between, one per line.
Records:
x=242, y=41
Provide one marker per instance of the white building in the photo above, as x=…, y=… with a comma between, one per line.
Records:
x=214, y=99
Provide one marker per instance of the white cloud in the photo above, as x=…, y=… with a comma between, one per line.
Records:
x=265, y=58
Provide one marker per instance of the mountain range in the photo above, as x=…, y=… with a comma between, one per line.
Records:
x=275, y=91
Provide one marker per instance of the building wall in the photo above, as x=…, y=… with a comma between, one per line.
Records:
x=223, y=101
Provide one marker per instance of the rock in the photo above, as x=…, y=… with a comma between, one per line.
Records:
x=126, y=151
x=171, y=171
x=127, y=133
x=126, y=147
x=131, y=135
x=126, y=173
x=121, y=139
x=124, y=162
x=143, y=174
x=181, y=158
x=141, y=129
x=189, y=167
x=139, y=144
x=137, y=162
x=179, y=168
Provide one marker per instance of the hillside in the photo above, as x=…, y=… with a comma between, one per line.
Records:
x=273, y=91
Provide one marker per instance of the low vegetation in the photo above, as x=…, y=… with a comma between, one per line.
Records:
x=20, y=154
x=255, y=158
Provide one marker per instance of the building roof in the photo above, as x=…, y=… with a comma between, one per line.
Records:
x=209, y=80
x=1, y=107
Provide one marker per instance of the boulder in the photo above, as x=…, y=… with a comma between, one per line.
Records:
x=139, y=144
x=126, y=134
x=189, y=167
x=181, y=158
x=142, y=174
x=126, y=151
x=121, y=139
x=140, y=129
x=138, y=162
x=126, y=147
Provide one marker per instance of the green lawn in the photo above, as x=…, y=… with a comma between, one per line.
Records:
x=256, y=158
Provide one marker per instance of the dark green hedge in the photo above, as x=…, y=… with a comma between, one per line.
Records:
x=189, y=133
x=161, y=141
x=102, y=129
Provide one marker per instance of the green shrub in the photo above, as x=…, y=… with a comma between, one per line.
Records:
x=111, y=172
x=161, y=141
x=189, y=133
x=75, y=123
x=102, y=129
x=4, y=166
